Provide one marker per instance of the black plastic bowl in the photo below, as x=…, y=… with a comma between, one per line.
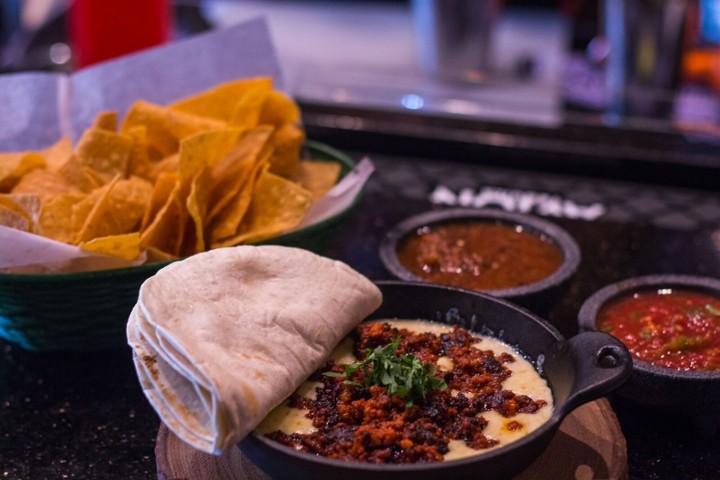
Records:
x=578, y=370
x=691, y=393
x=539, y=296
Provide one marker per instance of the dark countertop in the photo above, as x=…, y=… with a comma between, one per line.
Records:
x=83, y=415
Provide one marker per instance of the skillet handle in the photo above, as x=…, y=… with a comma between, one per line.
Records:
x=602, y=364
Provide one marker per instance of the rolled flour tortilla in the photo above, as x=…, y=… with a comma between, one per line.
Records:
x=223, y=337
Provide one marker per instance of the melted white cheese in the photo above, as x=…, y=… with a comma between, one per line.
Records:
x=524, y=381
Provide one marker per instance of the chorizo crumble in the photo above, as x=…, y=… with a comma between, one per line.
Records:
x=355, y=423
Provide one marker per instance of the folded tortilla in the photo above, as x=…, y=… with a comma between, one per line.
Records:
x=223, y=337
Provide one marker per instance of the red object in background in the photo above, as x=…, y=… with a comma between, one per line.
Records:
x=104, y=29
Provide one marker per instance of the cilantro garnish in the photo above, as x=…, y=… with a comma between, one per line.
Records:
x=403, y=375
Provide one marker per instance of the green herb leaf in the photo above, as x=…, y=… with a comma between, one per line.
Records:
x=403, y=375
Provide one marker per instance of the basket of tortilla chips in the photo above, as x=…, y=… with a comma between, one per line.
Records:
x=228, y=166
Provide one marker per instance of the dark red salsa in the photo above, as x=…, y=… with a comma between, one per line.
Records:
x=369, y=425
x=671, y=328
x=479, y=255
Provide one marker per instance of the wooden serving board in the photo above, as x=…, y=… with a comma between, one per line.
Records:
x=588, y=445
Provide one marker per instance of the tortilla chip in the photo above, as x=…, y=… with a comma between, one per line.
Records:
x=279, y=109
x=197, y=206
x=318, y=177
x=168, y=164
x=119, y=209
x=58, y=153
x=155, y=255
x=165, y=127
x=45, y=183
x=167, y=230
x=198, y=154
x=205, y=149
x=106, y=153
x=106, y=121
x=81, y=176
x=139, y=163
x=227, y=222
x=56, y=217
x=162, y=190
x=126, y=246
x=278, y=205
x=288, y=141
x=14, y=165
x=247, y=110
x=219, y=103
x=232, y=171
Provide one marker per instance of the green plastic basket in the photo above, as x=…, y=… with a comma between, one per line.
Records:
x=89, y=310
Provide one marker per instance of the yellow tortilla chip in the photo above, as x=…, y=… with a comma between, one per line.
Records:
x=165, y=127
x=219, y=103
x=106, y=121
x=278, y=205
x=198, y=154
x=317, y=176
x=162, y=190
x=227, y=222
x=106, y=153
x=168, y=164
x=46, y=184
x=205, y=150
x=118, y=210
x=139, y=163
x=288, y=141
x=56, y=217
x=58, y=153
x=125, y=246
x=82, y=210
x=197, y=206
x=279, y=109
x=246, y=112
x=14, y=165
x=167, y=230
x=155, y=255
x=232, y=171
x=81, y=176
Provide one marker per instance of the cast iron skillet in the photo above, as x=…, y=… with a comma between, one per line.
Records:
x=581, y=369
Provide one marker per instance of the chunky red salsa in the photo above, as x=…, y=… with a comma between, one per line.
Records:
x=479, y=255
x=670, y=328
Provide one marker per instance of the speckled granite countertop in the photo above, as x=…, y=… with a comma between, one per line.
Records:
x=83, y=415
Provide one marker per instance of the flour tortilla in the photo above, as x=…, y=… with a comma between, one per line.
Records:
x=223, y=337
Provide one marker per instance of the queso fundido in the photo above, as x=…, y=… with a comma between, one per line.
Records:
x=460, y=394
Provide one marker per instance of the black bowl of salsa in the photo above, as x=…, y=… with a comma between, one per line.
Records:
x=671, y=325
x=518, y=257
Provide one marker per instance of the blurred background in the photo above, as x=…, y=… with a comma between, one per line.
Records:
x=590, y=81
